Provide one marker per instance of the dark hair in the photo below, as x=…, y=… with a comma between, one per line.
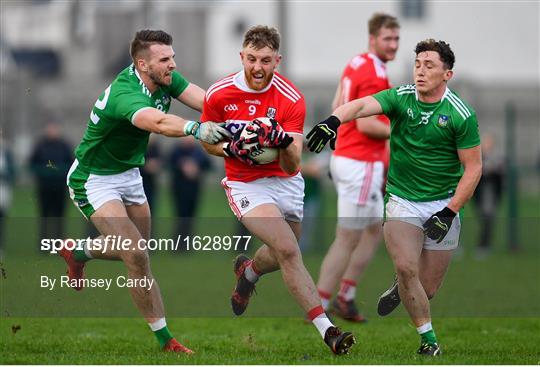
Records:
x=442, y=48
x=261, y=36
x=146, y=38
x=381, y=20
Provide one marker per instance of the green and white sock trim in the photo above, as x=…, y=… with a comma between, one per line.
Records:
x=82, y=254
x=427, y=334
x=161, y=331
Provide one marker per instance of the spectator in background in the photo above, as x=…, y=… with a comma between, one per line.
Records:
x=488, y=194
x=187, y=162
x=7, y=178
x=150, y=171
x=50, y=161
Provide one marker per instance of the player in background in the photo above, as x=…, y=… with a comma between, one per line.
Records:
x=104, y=181
x=435, y=165
x=357, y=168
x=267, y=199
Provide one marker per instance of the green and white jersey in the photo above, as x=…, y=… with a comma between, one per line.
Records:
x=111, y=143
x=425, y=137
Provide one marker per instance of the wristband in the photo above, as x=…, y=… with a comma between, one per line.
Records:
x=191, y=127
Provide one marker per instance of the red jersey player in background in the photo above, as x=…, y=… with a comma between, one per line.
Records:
x=358, y=170
x=267, y=199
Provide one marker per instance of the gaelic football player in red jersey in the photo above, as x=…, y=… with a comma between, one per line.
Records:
x=357, y=166
x=267, y=199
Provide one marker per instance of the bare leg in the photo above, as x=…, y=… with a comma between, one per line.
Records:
x=337, y=258
x=404, y=243
x=433, y=266
x=265, y=259
x=278, y=235
x=363, y=253
x=112, y=219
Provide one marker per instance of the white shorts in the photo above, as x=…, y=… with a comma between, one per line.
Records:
x=287, y=193
x=90, y=191
x=416, y=213
x=359, y=188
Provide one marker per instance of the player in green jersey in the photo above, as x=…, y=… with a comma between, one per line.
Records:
x=435, y=165
x=104, y=181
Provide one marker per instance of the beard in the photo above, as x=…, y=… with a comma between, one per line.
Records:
x=260, y=83
x=159, y=80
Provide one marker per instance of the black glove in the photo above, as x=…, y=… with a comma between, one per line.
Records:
x=323, y=132
x=438, y=225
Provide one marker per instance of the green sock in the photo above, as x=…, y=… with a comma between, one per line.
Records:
x=163, y=335
x=79, y=254
x=429, y=337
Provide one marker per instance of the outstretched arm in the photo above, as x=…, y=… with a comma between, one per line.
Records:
x=362, y=107
x=155, y=121
x=193, y=96
x=326, y=131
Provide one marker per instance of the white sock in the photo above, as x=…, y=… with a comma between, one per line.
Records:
x=424, y=328
x=86, y=245
x=157, y=325
x=250, y=274
x=322, y=323
x=348, y=293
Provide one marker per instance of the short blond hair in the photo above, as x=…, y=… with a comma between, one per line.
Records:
x=381, y=20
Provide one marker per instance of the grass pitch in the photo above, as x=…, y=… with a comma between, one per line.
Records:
x=487, y=312
x=264, y=341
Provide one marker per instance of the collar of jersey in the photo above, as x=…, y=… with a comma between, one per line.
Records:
x=240, y=82
x=139, y=77
x=446, y=91
x=376, y=59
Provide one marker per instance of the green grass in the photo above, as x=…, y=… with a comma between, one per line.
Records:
x=264, y=341
x=487, y=312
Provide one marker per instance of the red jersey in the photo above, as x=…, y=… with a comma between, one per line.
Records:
x=230, y=100
x=363, y=76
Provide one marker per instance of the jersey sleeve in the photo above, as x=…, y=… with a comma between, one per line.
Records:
x=129, y=102
x=178, y=84
x=387, y=99
x=468, y=133
x=295, y=118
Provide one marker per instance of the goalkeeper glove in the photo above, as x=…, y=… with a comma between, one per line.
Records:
x=209, y=132
x=235, y=148
x=270, y=136
x=323, y=132
x=438, y=225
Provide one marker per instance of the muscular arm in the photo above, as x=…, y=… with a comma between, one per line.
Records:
x=373, y=127
x=289, y=158
x=338, y=101
x=192, y=96
x=471, y=159
x=362, y=107
x=155, y=121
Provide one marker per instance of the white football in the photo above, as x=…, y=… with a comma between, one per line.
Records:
x=264, y=155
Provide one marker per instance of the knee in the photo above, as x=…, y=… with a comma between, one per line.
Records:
x=406, y=272
x=288, y=253
x=347, y=238
x=136, y=261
